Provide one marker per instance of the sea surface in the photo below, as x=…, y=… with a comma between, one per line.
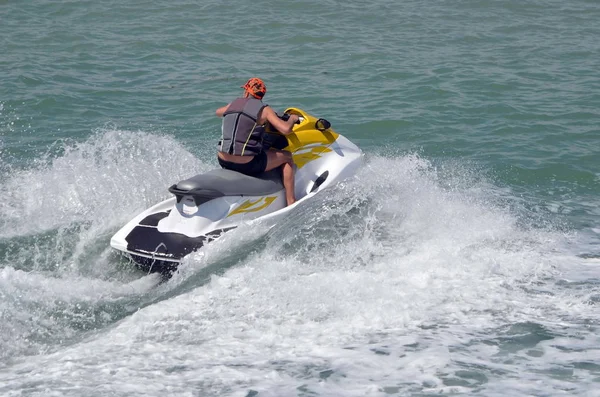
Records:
x=463, y=258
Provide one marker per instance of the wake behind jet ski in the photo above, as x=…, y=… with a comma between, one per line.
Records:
x=207, y=205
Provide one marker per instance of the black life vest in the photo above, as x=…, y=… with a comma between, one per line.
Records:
x=242, y=135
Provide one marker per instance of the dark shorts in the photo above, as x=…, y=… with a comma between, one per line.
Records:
x=254, y=167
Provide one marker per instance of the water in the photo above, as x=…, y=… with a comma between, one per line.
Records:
x=464, y=258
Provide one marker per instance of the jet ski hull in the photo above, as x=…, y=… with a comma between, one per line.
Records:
x=207, y=205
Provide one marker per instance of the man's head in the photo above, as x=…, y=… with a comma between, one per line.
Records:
x=255, y=87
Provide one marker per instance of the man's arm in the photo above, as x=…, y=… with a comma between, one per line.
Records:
x=285, y=127
x=220, y=111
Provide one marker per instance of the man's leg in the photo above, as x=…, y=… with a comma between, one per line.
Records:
x=277, y=158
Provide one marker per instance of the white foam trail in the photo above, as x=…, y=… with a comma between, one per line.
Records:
x=60, y=213
x=41, y=312
x=56, y=219
x=102, y=180
x=396, y=282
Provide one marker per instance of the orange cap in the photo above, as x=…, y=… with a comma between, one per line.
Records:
x=255, y=87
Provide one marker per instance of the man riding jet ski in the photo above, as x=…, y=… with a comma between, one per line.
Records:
x=207, y=205
x=241, y=146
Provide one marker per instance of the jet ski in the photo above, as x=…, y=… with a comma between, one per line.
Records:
x=207, y=205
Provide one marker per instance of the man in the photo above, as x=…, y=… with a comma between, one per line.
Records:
x=243, y=129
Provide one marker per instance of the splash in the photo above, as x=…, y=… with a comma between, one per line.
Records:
x=400, y=280
x=58, y=276
x=103, y=179
x=60, y=212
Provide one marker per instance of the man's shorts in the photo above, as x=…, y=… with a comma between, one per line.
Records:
x=254, y=167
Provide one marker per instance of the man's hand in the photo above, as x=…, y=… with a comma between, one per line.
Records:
x=285, y=127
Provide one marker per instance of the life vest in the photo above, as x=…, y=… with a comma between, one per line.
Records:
x=242, y=135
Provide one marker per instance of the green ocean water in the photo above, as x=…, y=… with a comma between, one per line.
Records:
x=479, y=196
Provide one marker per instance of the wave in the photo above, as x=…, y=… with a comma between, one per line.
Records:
x=405, y=263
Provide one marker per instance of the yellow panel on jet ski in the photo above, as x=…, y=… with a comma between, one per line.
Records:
x=304, y=155
x=306, y=133
x=307, y=143
x=252, y=206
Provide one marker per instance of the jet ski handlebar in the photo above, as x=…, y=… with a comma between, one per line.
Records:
x=321, y=124
x=286, y=117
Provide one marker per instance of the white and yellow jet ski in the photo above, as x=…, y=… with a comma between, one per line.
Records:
x=206, y=205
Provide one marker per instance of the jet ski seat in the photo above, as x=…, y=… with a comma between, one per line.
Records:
x=221, y=182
